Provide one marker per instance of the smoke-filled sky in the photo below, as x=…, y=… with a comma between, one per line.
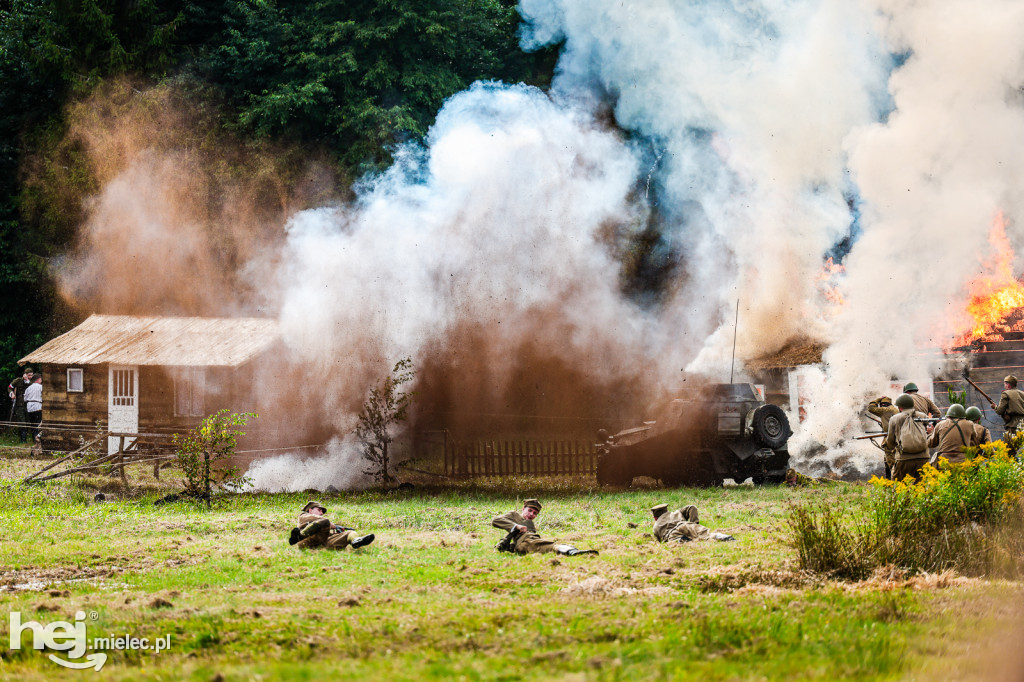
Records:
x=688, y=155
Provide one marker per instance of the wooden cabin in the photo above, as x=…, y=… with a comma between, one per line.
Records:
x=136, y=374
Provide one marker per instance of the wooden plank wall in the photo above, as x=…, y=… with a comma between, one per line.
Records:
x=511, y=458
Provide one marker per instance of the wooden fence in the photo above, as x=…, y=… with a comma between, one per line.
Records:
x=509, y=458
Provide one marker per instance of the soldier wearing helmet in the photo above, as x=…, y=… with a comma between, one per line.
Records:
x=922, y=403
x=981, y=434
x=885, y=410
x=1011, y=407
x=909, y=439
x=952, y=435
x=316, y=530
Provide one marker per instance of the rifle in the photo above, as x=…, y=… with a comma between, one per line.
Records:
x=978, y=389
x=928, y=420
x=870, y=435
x=873, y=418
x=508, y=543
x=985, y=396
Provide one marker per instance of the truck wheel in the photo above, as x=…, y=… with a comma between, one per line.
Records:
x=771, y=427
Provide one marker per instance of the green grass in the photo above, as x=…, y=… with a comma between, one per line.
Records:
x=432, y=599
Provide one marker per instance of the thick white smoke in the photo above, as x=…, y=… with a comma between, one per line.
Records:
x=752, y=128
x=750, y=102
x=933, y=177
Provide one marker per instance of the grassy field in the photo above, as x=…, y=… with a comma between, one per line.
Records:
x=432, y=599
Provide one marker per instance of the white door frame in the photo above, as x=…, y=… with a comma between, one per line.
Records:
x=122, y=404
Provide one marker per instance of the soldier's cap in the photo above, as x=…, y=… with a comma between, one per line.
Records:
x=659, y=509
x=314, y=503
x=532, y=504
x=884, y=401
x=1010, y=379
x=910, y=387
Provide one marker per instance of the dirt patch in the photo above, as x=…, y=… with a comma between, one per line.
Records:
x=597, y=587
x=733, y=578
x=38, y=579
x=890, y=578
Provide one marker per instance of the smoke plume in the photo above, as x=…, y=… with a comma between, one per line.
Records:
x=567, y=254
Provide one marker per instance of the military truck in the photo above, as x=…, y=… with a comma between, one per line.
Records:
x=725, y=431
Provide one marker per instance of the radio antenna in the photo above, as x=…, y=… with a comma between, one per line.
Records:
x=735, y=327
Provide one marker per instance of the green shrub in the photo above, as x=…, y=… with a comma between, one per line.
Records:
x=204, y=454
x=965, y=516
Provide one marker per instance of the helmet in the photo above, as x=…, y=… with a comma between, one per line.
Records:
x=911, y=386
x=956, y=411
x=973, y=413
x=1010, y=379
x=904, y=401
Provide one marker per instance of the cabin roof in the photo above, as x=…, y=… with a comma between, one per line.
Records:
x=165, y=341
x=792, y=354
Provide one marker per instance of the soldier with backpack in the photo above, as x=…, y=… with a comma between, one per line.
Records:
x=909, y=438
x=952, y=435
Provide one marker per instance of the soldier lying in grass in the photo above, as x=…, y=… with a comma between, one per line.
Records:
x=316, y=530
x=681, y=525
x=522, y=535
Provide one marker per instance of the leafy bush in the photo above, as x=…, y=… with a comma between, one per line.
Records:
x=965, y=516
x=204, y=454
x=384, y=408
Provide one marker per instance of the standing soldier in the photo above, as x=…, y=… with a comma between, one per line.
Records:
x=16, y=392
x=522, y=533
x=981, y=434
x=884, y=410
x=922, y=403
x=909, y=438
x=316, y=530
x=952, y=435
x=1011, y=407
x=681, y=525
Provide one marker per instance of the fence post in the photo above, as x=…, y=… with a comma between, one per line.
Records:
x=206, y=460
x=120, y=460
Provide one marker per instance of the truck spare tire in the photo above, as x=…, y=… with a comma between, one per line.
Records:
x=771, y=426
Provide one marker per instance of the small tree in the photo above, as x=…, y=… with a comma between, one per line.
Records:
x=204, y=454
x=385, y=407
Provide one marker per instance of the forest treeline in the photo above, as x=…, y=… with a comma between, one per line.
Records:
x=345, y=80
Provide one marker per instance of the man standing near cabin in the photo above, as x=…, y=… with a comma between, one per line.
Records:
x=522, y=533
x=1011, y=407
x=34, y=406
x=909, y=438
x=922, y=403
x=313, y=529
x=682, y=525
x=16, y=392
x=981, y=434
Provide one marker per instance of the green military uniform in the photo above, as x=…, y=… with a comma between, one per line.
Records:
x=923, y=403
x=950, y=437
x=681, y=525
x=885, y=410
x=530, y=542
x=1011, y=408
x=981, y=435
x=314, y=531
x=907, y=463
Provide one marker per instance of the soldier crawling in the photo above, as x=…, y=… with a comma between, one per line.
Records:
x=682, y=525
x=522, y=535
x=316, y=530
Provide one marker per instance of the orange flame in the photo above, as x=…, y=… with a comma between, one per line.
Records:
x=828, y=281
x=993, y=296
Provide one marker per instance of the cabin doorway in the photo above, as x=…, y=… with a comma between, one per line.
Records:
x=122, y=404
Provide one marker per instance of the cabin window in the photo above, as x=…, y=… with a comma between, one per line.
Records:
x=75, y=383
x=190, y=392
